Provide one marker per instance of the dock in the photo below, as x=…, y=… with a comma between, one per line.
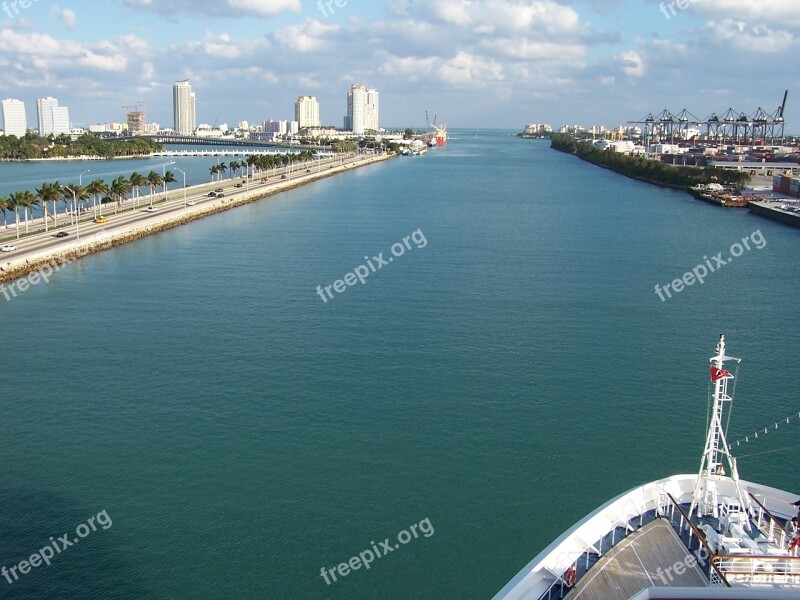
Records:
x=773, y=210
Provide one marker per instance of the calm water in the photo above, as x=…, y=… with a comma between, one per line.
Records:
x=502, y=381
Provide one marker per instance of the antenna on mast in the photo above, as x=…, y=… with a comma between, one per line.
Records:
x=712, y=471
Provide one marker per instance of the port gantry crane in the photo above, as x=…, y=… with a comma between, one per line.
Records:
x=732, y=127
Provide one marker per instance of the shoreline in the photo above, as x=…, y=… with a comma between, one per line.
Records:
x=25, y=264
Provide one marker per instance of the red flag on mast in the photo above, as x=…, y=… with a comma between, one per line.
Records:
x=717, y=374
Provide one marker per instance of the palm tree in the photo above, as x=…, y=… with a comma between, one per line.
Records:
x=97, y=188
x=137, y=181
x=44, y=196
x=222, y=168
x=56, y=191
x=26, y=200
x=81, y=194
x=66, y=198
x=5, y=205
x=14, y=204
x=235, y=165
x=119, y=188
x=153, y=180
x=169, y=177
x=214, y=169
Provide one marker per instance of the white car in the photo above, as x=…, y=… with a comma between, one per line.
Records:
x=8, y=248
x=191, y=203
x=151, y=209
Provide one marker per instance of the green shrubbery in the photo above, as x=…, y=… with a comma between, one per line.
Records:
x=62, y=146
x=648, y=170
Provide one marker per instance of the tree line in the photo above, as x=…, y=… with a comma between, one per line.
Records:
x=653, y=171
x=31, y=146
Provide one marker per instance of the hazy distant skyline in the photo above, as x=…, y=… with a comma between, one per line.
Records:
x=488, y=63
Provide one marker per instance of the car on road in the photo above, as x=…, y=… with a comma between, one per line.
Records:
x=7, y=248
x=219, y=190
x=101, y=220
x=62, y=234
x=191, y=203
x=212, y=194
x=220, y=195
x=283, y=176
x=238, y=185
x=151, y=209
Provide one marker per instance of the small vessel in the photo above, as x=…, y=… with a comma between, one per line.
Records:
x=711, y=534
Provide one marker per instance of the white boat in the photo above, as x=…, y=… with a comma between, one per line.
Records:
x=708, y=535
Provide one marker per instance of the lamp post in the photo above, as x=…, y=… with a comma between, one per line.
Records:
x=184, y=184
x=80, y=177
x=75, y=204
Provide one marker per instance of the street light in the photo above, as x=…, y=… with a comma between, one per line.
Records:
x=184, y=184
x=80, y=177
x=77, y=216
x=164, y=167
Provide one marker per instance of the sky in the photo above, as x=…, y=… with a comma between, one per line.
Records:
x=474, y=63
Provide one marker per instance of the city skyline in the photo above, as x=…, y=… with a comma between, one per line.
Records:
x=498, y=63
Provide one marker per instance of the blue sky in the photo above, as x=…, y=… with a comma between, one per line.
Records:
x=475, y=63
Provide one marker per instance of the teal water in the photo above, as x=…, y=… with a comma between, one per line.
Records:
x=502, y=381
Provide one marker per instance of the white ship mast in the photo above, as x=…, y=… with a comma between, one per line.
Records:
x=704, y=498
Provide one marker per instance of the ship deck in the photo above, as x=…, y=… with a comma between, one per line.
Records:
x=644, y=559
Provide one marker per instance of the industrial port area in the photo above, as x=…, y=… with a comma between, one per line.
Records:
x=756, y=144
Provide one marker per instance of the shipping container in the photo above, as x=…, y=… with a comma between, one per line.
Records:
x=776, y=183
x=785, y=183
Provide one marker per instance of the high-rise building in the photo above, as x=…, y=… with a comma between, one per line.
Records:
x=137, y=122
x=61, y=123
x=362, y=110
x=15, y=121
x=45, y=107
x=53, y=119
x=183, y=105
x=306, y=111
x=279, y=127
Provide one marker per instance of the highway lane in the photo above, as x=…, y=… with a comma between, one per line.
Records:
x=88, y=230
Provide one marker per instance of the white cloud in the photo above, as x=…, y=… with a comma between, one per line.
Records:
x=216, y=8
x=632, y=63
x=466, y=69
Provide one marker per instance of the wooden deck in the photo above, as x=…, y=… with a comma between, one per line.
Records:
x=634, y=564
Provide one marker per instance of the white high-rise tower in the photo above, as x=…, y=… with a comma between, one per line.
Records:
x=15, y=121
x=306, y=111
x=362, y=110
x=183, y=103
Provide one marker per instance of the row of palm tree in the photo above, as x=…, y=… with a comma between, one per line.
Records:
x=260, y=162
x=99, y=192
x=73, y=196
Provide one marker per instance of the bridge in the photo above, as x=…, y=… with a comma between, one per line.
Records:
x=244, y=153
x=200, y=141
